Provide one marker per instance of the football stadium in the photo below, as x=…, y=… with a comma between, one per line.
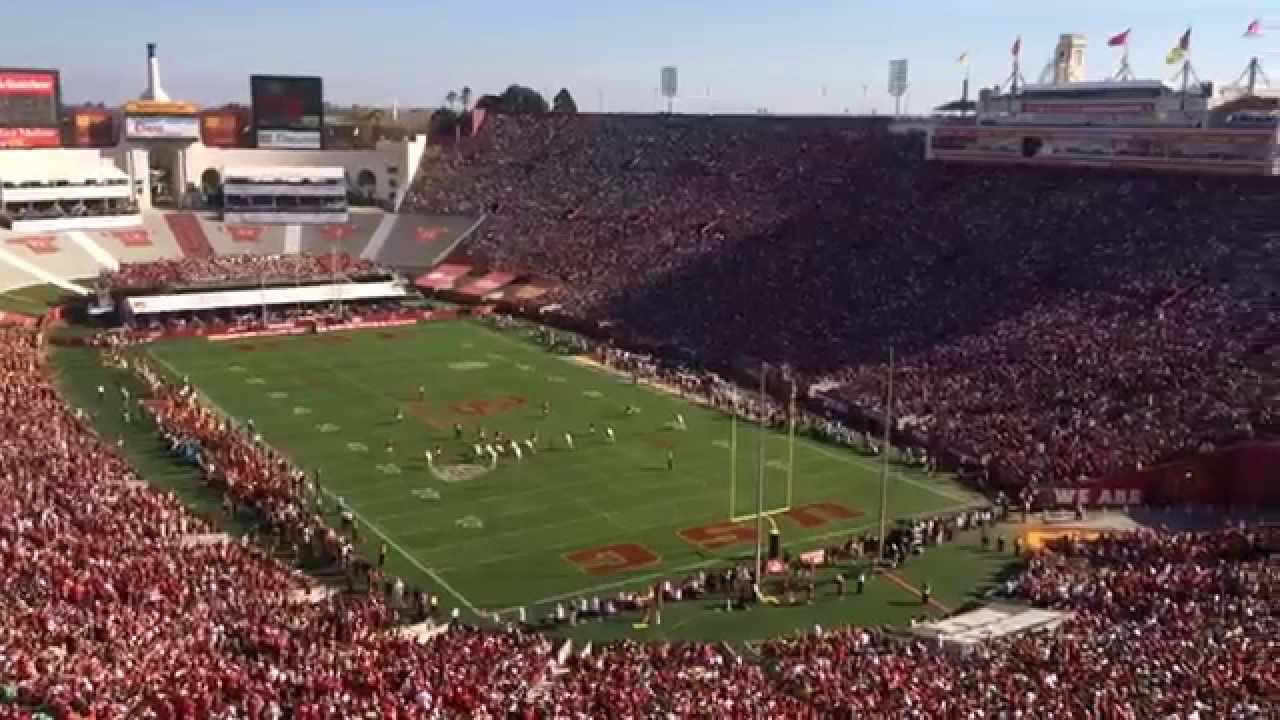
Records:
x=507, y=410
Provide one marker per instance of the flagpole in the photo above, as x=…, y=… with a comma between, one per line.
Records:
x=1186, y=79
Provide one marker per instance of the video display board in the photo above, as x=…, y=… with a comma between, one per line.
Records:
x=30, y=100
x=288, y=111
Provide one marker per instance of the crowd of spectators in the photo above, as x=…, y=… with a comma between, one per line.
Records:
x=1051, y=324
x=245, y=269
x=110, y=611
x=59, y=209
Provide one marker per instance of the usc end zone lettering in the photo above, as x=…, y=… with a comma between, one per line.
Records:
x=625, y=557
x=610, y=559
x=724, y=534
x=38, y=244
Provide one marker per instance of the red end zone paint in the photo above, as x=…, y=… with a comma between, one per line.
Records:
x=132, y=238
x=611, y=559
x=485, y=408
x=189, y=235
x=725, y=534
x=38, y=244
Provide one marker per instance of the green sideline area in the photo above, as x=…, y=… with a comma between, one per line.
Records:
x=363, y=407
x=34, y=300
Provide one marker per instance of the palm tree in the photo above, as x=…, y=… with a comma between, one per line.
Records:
x=451, y=99
x=465, y=97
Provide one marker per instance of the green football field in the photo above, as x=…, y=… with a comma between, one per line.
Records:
x=560, y=522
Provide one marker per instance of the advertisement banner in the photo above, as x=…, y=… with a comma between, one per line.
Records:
x=222, y=299
x=1083, y=109
x=162, y=128
x=29, y=137
x=222, y=128
x=28, y=82
x=289, y=139
x=814, y=557
x=29, y=99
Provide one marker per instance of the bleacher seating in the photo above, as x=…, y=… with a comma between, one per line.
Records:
x=1048, y=324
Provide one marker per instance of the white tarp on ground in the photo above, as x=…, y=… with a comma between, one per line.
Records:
x=218, y=299
x=960, y=633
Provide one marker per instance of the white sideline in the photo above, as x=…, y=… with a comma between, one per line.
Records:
x=41, y=273
x=429, y=572
x=102, y=257
x=292, y=239
x=458, y=241
x=379, y=237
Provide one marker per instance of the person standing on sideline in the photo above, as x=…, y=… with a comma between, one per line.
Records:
x=671, y=460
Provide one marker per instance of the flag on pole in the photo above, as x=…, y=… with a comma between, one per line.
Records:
x=1120, y=40
x=1179, y=52
x=963, y=59
x=1254, y=29
x=1017, y=46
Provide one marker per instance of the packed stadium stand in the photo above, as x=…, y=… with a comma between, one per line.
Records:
x=1047, y=325
x=1053, y=326
x=1162, y=623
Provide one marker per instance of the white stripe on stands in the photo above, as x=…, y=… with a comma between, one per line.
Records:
x=41, y=273
x=458, y=241
x=292, y=239
x=380, y=236
x=102, y=257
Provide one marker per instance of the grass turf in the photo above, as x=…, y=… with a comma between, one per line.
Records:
x=508, y=537
x=33, y=300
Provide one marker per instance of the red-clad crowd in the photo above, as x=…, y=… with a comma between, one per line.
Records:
x=111, y=608
x=1053, y=325
x=176, y=273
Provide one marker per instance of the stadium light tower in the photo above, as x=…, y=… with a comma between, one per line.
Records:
x=670, y=86
x=898, y=83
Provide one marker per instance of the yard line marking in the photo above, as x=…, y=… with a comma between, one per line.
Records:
x=703, y=563
x=390, y=541
x=893, y=474
x=819, y=447
x=431, y=573
x=898, y=580
x=534, y=530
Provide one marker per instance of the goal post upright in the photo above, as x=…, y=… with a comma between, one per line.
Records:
x=791, y=445
x=763, y=435
x=733, y=456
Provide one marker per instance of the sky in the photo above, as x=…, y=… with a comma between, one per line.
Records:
x=786, y=56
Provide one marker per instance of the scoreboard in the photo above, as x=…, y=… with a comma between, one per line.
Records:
x=288, y=111
x=30, y=101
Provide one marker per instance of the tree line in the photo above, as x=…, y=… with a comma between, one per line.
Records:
x=454, y=116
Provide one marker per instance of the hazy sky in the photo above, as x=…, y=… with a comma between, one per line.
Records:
x=796, y=56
